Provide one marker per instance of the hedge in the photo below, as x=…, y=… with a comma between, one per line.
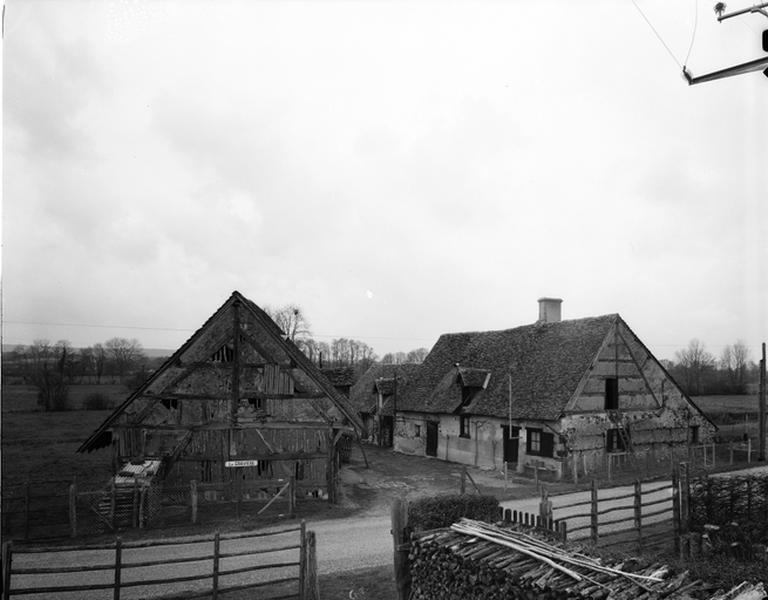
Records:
x=444, y=510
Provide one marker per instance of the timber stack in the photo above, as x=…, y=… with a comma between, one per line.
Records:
x=476, y=560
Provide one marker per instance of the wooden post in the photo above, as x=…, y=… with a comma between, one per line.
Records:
x=26, y=509
x=291, y=496
x=73, y=509
x=761, y=409
x=193, y=499
x=536, y=474
x=135, y=506
x=575, y=468
x=638, y=506
x=313, y=587
x=118, y=562
x=401, y=546
x=303, y=561
x=7, y=564
x=112, y=502
x=584, y=461
x=593, y=512
x=562, y=527
x=545, y=506
x=142, y=509
x=610, y=466
x=215, y=574
x=749, y=450
x=463, y=485
x=713, y=455
x=730, y=451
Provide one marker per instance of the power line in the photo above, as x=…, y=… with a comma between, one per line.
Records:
x=663, y=43
x=693, y=35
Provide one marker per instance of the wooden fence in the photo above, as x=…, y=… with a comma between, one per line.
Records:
x=40, y=510
x=285, y=567
x=646, y=516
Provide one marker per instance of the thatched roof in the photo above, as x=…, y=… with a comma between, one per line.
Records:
x=546, y=361
x=379, y=378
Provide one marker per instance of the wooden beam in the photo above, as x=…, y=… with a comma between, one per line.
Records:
x=275, y=456
x=235, y=399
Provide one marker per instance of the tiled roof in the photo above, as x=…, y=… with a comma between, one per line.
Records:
x=546, y=361
x=380, y=376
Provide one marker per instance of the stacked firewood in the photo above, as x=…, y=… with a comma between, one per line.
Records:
x=476, y=560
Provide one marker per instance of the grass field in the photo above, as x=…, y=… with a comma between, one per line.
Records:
x=721, y=405
x=23, y=398
x=41, y=446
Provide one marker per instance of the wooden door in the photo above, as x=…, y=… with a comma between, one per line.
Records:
x=431, y=438
x=510, y=445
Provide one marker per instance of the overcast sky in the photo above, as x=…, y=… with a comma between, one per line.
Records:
x=398, y=169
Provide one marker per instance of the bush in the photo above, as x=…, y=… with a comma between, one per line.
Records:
x=444, y=510
x=96, y=401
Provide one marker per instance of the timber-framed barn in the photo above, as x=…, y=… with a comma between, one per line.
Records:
x=237, y=392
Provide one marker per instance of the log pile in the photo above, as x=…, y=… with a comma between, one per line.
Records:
x=476, y=560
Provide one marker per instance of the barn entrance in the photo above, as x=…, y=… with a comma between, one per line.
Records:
x=386, y=431
x=511, y=443
x=431, y=438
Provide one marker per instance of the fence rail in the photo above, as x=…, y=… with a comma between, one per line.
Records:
x=287, y=566
x=631, y=516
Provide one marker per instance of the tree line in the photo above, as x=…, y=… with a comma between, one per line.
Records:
x=53, y=367
x=699, y=372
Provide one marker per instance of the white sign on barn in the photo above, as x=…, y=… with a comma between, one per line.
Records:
x=241, y=463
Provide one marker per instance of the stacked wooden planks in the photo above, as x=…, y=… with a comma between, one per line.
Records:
x=476, y=560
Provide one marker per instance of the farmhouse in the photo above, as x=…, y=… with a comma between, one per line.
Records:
x=551, y=395
x=237, y=394
x=374, y=397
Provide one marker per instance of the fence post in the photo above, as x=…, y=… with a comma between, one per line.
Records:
x=575, y=468
x=142, y=509
x=112, y=502
x=118, y=561
x=639, y=513
x=303, y=561
x=749, y=450
x=26, y=509
x=193, y=499
x=562, y=527
x=545, y=506
x=292, y=496
x=135, y=507
x=593, y=512
x=313, y=589
x=463, y=485
x=73, y=509
x=215, y=575
x=7, y=562
x=610, y=467
x=400, y=541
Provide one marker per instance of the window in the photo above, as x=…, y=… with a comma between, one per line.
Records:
x=417, y=431
x=170, y=403
x=540, y=443
x=464, y=426
x=611, y=393
x=693, y=434
x=616, y=440
x=264, y=468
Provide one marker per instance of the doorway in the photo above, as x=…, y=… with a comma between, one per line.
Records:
x=431, y=438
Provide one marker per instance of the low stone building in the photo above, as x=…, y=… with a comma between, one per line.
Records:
x=551, y=395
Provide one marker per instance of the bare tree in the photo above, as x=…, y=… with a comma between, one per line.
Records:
x=417, y=356
x=47, y=373
x=740, y=365
x=292, y=320
x=694, y=362
x=123, y=353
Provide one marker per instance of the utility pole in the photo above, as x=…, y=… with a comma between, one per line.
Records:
x=761, y=407
x=753, y=65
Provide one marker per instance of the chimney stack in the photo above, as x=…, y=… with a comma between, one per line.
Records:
x=549, y=310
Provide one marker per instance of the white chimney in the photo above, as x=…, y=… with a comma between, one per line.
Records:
x=549, y=310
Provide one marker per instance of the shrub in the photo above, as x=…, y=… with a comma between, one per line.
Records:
x=96, y=401
x=444, y=510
